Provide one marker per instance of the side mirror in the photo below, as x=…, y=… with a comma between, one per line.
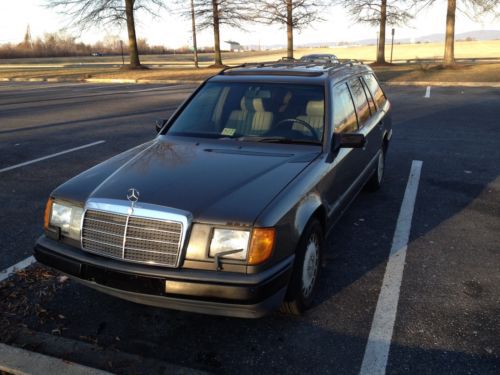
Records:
x=348, y=140
x=159, y=124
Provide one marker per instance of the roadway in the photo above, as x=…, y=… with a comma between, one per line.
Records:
x=447, y=318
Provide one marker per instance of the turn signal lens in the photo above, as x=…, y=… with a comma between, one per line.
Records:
x=48, y=211
x=262, y=245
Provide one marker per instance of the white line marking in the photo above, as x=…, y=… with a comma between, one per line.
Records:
x=5, y=274
x=428, y=92
x=165, y=88
x=50, y=156
x=379, y=341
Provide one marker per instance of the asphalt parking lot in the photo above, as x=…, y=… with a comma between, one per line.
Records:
x=448, y=312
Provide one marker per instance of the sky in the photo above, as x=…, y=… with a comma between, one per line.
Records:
x=171, y=30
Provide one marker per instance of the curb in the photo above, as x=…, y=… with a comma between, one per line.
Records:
x=90, y=355
x=442, y=84
x=103, y=80
x=20, y=361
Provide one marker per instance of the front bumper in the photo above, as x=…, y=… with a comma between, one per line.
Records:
x=208, y=292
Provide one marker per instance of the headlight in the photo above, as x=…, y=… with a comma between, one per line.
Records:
x=227, y=240
x=66, y=217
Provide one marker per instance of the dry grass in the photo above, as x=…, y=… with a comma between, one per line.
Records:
x=401, y=72
x=111, y=73
x=434, y=73
x=403, y=52
x=179, y=67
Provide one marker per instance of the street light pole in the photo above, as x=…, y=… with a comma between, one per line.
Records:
x=392, y=44
x=121, y=46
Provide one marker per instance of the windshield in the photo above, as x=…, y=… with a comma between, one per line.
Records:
x=264, y=112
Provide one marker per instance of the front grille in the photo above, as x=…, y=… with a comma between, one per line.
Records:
x=132, y=238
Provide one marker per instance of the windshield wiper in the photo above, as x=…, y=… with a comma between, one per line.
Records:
x=278, y=140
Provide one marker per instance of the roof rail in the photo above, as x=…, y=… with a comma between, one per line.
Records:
x=328, y=67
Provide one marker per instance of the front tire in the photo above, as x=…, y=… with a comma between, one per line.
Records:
x=303, y=284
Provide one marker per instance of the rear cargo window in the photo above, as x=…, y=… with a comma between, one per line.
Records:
x=377, y=93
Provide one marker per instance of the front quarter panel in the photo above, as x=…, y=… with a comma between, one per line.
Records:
x=292, y=209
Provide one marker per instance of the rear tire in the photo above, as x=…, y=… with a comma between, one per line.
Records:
x=306, y=270
x=376, y=180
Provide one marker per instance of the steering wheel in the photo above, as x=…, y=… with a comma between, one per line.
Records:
x=298, y=121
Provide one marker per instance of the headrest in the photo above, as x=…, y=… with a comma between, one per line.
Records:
x=315, y=108
x=265, y=94
x=252, y=104
x=258, y=105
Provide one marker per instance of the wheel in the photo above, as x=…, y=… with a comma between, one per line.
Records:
x=375, y=181
x=300, y=122
x=302, y=286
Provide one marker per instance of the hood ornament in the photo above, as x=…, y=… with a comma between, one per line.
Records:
x=133, y=196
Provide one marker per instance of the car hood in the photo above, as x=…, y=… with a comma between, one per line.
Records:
x=223, y=182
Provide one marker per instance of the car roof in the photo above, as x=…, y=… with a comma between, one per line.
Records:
x=294, y=71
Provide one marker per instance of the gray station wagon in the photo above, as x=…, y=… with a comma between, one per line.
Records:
x=226, y=210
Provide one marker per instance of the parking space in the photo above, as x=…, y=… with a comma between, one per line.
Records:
x=447, y=317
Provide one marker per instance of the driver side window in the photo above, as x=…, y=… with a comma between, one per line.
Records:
x=344, y=114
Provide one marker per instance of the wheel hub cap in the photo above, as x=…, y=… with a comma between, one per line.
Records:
x=310, y=268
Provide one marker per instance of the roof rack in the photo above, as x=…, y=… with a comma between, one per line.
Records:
x=277, y=67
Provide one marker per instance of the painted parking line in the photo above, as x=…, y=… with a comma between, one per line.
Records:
x=6, y=273
x=50, y=156
x=428, y=92
x=379, y=340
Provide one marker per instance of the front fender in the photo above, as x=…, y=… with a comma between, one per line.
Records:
x=307, y=207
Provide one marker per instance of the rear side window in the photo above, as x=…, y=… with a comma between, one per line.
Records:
x=373, y=109
x=360, y=102
x=377, y=93
x=344, y=115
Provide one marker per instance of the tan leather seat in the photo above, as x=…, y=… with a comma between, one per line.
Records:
x=315, y=110
x=262, y=119
x=252, y=119
x=238, y=118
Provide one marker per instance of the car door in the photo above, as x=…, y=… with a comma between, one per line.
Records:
x=339, y=183
x=368, y=125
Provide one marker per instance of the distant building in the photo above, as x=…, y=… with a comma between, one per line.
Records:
x=232, y=46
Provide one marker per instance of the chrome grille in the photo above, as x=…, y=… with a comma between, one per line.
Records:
x=132, y=238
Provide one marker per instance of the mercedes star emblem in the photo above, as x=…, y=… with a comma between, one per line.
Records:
x=133, y=195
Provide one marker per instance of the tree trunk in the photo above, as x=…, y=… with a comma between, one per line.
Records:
x=381, y=39
x=217, y=53
x=132, y=40
x=289, y=28
x=193, y=24
x=449, y=44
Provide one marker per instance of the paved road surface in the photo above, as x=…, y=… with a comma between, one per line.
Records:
x=448, y=317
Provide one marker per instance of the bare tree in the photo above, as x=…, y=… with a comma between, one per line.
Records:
x=379, y=13
x=87, y=13
x=215, y=13
x=449, y=43
x=193, y=26
x=295, y=14
x=473, y=9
